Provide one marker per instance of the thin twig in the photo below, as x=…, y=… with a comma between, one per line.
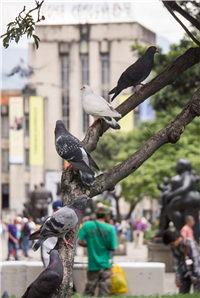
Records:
x=179, y=21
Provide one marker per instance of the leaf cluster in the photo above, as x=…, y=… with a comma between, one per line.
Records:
x=23, y=25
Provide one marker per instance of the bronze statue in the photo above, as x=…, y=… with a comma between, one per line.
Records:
x=39, y=199
x=181, y=198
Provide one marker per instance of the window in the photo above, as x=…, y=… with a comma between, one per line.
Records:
x=85, y=81
x=27, y=165
x=4, y=126
x=105, y=75
x=5, y=161
x=65, y=92
x=5, y=195
x=27, y=189
x=26, y=125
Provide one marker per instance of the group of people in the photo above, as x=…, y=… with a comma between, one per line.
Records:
x=18, y=234
x=186, y=256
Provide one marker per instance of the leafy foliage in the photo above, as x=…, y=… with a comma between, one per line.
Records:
x=23, y=25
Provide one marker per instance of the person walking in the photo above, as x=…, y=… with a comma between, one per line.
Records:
x=12, y=239
x=185, y=259
x=187, y=231
x=138, y=233
x=99, y=237
x=26, y=233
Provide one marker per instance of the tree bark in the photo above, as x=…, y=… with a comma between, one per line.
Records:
x=71, y=183
x=132, y=207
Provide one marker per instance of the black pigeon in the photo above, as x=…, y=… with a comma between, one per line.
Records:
x=5, y=295
x=48, y=281
x=136, y=73
x=61, y=222
x=71, y=149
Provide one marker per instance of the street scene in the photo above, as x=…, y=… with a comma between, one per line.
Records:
x=100, y=161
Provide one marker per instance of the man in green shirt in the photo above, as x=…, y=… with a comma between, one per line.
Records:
x=99, y=237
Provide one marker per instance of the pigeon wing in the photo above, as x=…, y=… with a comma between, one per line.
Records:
x=14, y=70
x=60, y=222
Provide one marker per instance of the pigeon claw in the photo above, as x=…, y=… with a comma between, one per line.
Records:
x=67, y=243
x=68, y=169
x=94, y=123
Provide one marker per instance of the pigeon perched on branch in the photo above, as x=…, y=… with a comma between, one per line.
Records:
x=98, y=107
x=48, y=281
x=61, y=222
x=72, y=150
x=136, y=73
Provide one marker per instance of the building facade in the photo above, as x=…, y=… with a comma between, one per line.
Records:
x=70, y=56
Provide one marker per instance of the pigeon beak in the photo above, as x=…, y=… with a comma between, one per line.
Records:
x=157, y=51
x=81, y=88
x=88, y=198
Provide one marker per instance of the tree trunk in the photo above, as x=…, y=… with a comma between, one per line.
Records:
x=132, y=207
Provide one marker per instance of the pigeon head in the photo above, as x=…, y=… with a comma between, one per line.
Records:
x=80, y=204
x=60, y=127
x=152, y=50
x=5, y=295
x=86, y=89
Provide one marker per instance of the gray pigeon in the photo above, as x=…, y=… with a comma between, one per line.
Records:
x=5, y=295
x=61, y=222
x=136, y=73
x=72, y=150
x=48, y=281
x=23, y=68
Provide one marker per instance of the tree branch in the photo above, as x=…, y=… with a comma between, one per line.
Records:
x=168, y=76
x=185, y=14
x=170, y=134
x=179, y=21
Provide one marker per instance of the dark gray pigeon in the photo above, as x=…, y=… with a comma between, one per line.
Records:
x=136, y=73
x=48, y=281
x=61, y=222
x=72, y=150
x=5, y=295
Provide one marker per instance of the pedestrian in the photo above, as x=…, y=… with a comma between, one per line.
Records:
x=187, y=231
x=49, y=244
x=99, y=237
x=138, y=233
x=26, y=233
x=12, y=239
x=186, y=261
x=124, y=227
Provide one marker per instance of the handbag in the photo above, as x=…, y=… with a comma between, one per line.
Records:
x=118, y=280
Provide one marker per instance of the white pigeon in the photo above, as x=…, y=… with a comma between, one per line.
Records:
x=98, y=107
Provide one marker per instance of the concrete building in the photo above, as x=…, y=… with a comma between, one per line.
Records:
x=70, y=56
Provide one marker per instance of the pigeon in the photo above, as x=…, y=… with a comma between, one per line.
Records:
x=136, y=73
x=72, y=150
x=61, y=222
x=48, y=282
x=23, y=68
x=5, y=295
x=98, y=107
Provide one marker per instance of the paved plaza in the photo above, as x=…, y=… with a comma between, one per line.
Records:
x=133, y=255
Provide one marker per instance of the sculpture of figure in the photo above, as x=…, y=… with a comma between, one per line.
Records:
x=164, y=219
x=182, y=198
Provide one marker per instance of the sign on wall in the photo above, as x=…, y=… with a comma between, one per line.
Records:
x=16, y=132
x=36, y=130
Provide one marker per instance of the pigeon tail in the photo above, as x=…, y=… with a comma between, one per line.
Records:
x=113, y=90
x=87, y=179
x=38, y=244
x=36, y=235
x=116, y=93
x=112, y=122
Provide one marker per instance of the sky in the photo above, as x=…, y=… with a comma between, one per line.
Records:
x=151, y=14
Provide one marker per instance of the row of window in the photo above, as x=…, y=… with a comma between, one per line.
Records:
x=5, y=160
x=5, y=194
